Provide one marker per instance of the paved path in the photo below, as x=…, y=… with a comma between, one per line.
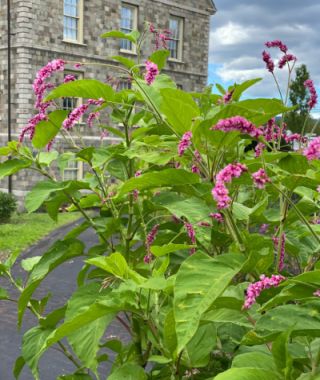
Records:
x=62, y=282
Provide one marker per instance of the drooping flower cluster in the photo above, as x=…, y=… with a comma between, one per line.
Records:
x=161, y=37
x=294, y=137
x=69, y=78
x=282, y=249
x=184, y=143
x=149, y=240
x=40, y=87
x=74, y=116
x=271, y=131
x=192, y=235
x=313, y=93
x=237, y=123
x=92, y=116
x=259, y=149
x=268, y=61
x=151, y=72
x=278, y=44
x=286, y=59
x=220, y=192
x=254, y=290
x=260, y=178
x=312, y=152
x=217, y=216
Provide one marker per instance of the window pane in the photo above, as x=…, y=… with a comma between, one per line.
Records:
x=127, y=23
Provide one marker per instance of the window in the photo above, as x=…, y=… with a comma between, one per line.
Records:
x=73, y=170
x=175, y=44
x=71, y=103
x=72, y=20
x=124, y=85
x=129, y=22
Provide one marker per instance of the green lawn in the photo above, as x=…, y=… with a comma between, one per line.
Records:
x=26, y=229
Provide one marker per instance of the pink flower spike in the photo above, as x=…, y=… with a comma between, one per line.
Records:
x=312, y=152
x=286, y=59
x=237, y=123
x=74, y=116
x=282, y=249
x=184, y=143
x=69, y=78
x=259, y=149
x=77, y=65
x=263, y=228
x=254, y=290
x=151, y=73
x=92, y=116
x=313, y=93
x=268, y=61
x=278, y=44
x=221, y=195
x=192, y=235
x=260, y=179
x=217, y=216
x=228, y=97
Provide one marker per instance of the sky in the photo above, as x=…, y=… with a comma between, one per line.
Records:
x=239, y=30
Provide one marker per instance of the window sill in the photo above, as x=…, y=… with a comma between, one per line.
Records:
x=175, y=60
x=129, y=52
x=74, y=42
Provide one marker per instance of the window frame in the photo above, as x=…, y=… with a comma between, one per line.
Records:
x=135, y=10
x=180, y=40
x=79, y=19
x=78, y=167
x=79, y=101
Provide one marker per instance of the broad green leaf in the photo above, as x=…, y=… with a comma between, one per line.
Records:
x=309, y=277
x=85, y=342
x=47, y=130
x=247, y=374
x=179, y=109
x=18, y=367
x=194, y=209
x=3, y=294
x=256, y=359
x=160, y=57
x=198, y=350
x=28, y=264
x=60, y=252
x=294, y=163
x=163, y=250
x=116, y=264
x=83, y=88
x=240, y=88
x=281, y=355
x=128, y=371
x=163, y=178
x=132, y=36
x=12, y=166
x=127, y=62
x=226, y=316
x=200, y=281
x=159, y=283
x=46, y=158
x=31, y=344
x=169, y=334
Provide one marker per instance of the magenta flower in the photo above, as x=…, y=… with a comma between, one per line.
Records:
x=254, y=290
x=92, y=116
x=271, y=131
x=204, y=224
x=228, y=97
x=312, y=152
x=184, y=143
x=74, y=116
x=263, y=228
x=217, y=216
x=259, y=149
x=278, y=44
x=286, y=59
x=195, y=169
x=69, y=78
x=77, y=65
x=149, y=240
x=30, y=128
x=237, y=123
x=221, y=195
x=260, y=178
x=96, y=102
x=151, y=73
x=317, y=293
x=192, y=235
x=268, y=61
x=295, y=137
x=313, y=93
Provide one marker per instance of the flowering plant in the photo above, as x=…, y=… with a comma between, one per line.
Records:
x=208, y=239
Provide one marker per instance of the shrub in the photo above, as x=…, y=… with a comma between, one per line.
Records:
x=8, y=206
x=209, y=252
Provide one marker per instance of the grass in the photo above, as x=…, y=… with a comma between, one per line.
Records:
x=24, y=230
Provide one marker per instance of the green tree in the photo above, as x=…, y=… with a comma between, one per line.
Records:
x=299, y=97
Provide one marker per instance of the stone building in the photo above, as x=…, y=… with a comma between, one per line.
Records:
x=43, y=30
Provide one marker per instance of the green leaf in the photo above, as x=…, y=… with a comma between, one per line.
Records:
x=247, y=374
x=294, y=163
x=198, y=350
x=159, y=57
x=18, y=367
x=12, y=166
x=163, y=250
x=240, y=88
x=46, y=158
x=60, y=252
x=28, y=264
x=75, y=377
x=163, y=178
x=83, y=88
x=31, y=344
x=132, y=36
x=128, y=371
x=179, y=109
x=85, y=342
x=281, y=355
x=200, y=281
x=226, y=316
x=257, y=359
x=129, y=63
x=47, y=130
x=3, y=294
x=194, y=209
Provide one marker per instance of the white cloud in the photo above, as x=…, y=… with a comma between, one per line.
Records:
x=230, y=34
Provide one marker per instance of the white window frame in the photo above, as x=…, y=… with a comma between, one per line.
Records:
x=135, y=11
x=179, y=40
x=78, y=167
x=79, y=101
x=79, y=20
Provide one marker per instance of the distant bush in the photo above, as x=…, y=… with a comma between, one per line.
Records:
x=8, y=206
